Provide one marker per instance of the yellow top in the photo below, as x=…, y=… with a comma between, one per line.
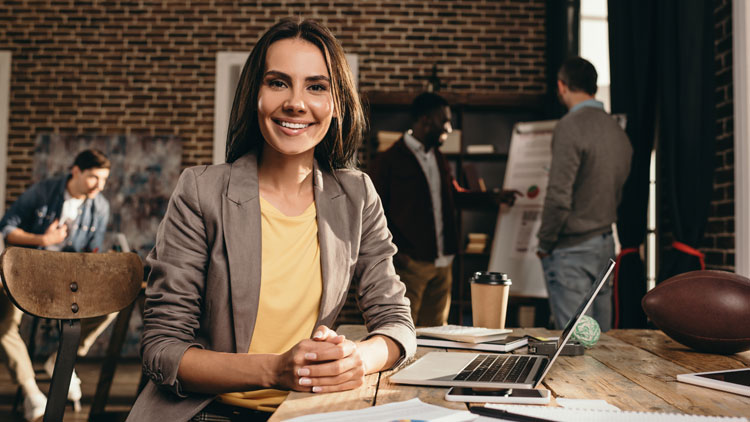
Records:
x=290, y=290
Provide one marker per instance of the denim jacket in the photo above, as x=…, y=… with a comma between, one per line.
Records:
x=41, y=204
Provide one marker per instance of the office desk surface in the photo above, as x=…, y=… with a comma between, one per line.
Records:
x=632, y=369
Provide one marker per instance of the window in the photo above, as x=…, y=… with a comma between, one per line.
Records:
x=594, y=44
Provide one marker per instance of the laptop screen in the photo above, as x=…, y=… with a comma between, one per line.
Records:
x=582, y=308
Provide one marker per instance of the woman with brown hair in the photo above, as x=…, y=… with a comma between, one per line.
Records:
x=254, y=258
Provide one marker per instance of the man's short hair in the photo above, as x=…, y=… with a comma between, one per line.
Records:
x=91, y=159
x=426, y=103
x=579, y=75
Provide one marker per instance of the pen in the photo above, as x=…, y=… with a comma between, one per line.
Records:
x=504, y=414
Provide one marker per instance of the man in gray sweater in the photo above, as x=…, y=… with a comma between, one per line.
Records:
x=590, y=162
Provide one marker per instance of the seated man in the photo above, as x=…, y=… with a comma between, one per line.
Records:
x=64, y=213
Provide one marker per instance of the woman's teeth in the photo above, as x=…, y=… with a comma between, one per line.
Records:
x=294, y=125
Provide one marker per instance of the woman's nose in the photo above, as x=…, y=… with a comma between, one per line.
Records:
x=295, y=102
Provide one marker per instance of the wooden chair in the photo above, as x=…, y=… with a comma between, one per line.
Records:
x=68, y=286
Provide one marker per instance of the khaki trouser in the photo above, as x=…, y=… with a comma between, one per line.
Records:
x=428, y=288
x=13, y=349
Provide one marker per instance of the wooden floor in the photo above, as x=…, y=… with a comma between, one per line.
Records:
x=121, y=396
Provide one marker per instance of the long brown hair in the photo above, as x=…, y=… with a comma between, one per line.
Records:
x=339, y=146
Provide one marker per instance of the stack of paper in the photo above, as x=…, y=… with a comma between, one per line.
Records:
x=413, y=409
x=477, y=242
x=466, y=334
x=594, y=415
x=480, y=149
x=503, y=345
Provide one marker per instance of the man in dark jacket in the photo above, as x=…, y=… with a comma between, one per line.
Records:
x=416, y=186
x=64, y=213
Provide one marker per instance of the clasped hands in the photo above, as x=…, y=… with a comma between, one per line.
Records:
x=324, y=363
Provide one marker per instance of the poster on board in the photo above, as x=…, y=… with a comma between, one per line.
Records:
x=514, y=243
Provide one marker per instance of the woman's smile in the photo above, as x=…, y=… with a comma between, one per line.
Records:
x=292, y=128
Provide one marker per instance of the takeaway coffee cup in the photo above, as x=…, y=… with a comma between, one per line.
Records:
x=489, y=299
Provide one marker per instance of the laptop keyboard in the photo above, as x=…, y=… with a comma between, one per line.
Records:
x=497, y=368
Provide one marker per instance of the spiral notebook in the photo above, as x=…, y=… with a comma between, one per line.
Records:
x=561, y=414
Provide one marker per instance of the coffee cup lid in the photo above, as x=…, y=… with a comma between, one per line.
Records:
x=487, y=277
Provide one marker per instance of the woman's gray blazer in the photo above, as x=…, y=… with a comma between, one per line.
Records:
x=205, y=273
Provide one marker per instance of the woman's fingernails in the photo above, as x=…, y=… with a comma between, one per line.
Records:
x=305, y=381
x=318, y=334
x=311, y=356
x=303, y=372
x=317, y=389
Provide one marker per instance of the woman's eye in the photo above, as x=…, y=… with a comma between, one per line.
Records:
x=276, y=84
x=318, y=87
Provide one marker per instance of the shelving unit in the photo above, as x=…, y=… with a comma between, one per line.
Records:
x=483, y=119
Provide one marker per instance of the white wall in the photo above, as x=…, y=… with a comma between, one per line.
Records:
x=741, y=66
x=5, y=57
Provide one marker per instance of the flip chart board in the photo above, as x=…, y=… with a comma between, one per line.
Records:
x=515, y=242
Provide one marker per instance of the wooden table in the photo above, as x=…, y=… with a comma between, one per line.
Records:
x=632, y=369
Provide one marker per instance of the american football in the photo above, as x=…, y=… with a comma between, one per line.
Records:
x=705, y=310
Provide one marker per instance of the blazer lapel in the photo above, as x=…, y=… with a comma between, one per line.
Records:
x=335, y=244
x=242, y=237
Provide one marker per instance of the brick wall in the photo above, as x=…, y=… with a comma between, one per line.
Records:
x=718, y=244
x=114, y=67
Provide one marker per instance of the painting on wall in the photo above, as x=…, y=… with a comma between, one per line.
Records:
x=144, y=173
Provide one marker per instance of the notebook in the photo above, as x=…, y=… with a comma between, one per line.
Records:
x=503, y=345
x=560, y=414
x=491, y=370
x=463, y=333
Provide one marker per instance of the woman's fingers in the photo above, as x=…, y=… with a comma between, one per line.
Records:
x=329, y=351
x=323, y=333
x=349, y=385
x=335, y=367
x=354, y=376
x=311, y=351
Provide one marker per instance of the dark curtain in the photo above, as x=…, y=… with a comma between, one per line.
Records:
x=661, y=58
x=632, y=46
x=686, y=126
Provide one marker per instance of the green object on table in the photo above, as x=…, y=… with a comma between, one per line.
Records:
x=587, y=331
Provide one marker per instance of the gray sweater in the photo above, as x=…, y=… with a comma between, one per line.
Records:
x=591, y=157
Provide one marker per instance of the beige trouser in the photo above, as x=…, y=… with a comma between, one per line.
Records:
x=13, y=349
x=428, y=288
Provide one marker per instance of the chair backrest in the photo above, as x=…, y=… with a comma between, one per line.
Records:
x=70, y=285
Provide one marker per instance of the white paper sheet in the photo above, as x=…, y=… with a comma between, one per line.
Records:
x=586, y=404
x=414, y=410
x=562, y=414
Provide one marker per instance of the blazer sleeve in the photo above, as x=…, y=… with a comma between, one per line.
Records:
x=380, y=292
x=175, y=285
x=22, y=211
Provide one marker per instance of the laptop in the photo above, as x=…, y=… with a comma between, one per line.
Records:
x=487, y=370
